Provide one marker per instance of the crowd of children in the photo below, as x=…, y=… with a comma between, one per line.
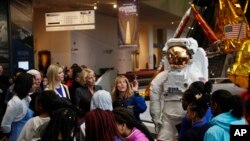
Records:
x=59, y=107
x=66, y=105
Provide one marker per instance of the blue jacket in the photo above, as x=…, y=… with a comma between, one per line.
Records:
x=135, y=103
x=197, y=131
x=220, y=127
x=186, y=124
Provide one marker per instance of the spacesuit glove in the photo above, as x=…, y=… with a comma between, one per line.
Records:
x=157, y=127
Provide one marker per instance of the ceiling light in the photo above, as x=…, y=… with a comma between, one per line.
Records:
x=191, y=28
x=95, y=7
x=172, y=22
x=114, y=6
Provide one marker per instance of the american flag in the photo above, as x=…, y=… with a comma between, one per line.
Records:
x=235, y=31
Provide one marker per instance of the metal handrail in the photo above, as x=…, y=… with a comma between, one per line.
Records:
x=218, y=79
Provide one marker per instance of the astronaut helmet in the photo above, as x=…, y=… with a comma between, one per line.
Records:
x=180, y=51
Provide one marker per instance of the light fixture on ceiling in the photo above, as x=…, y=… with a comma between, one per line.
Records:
x=114, y=6
x=95, y=5
x=172, y=22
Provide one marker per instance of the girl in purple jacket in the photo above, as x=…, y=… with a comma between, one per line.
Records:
x=130, y=128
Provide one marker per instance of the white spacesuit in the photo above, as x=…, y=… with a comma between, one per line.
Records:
x=188, y=64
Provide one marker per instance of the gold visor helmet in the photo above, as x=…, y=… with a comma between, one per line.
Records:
x=179, y=51
x=178, y=57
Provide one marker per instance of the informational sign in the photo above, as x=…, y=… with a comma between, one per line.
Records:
x=23, y=65
x=128, y=23
x=72, y=20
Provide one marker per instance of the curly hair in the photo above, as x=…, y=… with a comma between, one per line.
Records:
x=23, y=84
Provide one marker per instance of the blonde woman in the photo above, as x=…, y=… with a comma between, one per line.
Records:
x=88, y=87
x=55, y=78
x=126, y=95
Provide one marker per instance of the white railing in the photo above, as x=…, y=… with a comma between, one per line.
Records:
x=217, y=80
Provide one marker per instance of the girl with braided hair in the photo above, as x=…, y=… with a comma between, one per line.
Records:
x=60, y=126
x=100, y=126
x=130, y=128
x=196, y=111
x=44, y=106
x=197, y=87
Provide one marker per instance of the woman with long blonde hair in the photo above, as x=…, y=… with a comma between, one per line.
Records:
x=126, y=95
x=125, y=90
x=55, y=78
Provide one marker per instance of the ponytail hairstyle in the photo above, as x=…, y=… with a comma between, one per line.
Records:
x=228, y=102
x=188, y=97
x=124, y=116
x=197, y=88
x=208, y=87
x=200, y=104
x=204, y=88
